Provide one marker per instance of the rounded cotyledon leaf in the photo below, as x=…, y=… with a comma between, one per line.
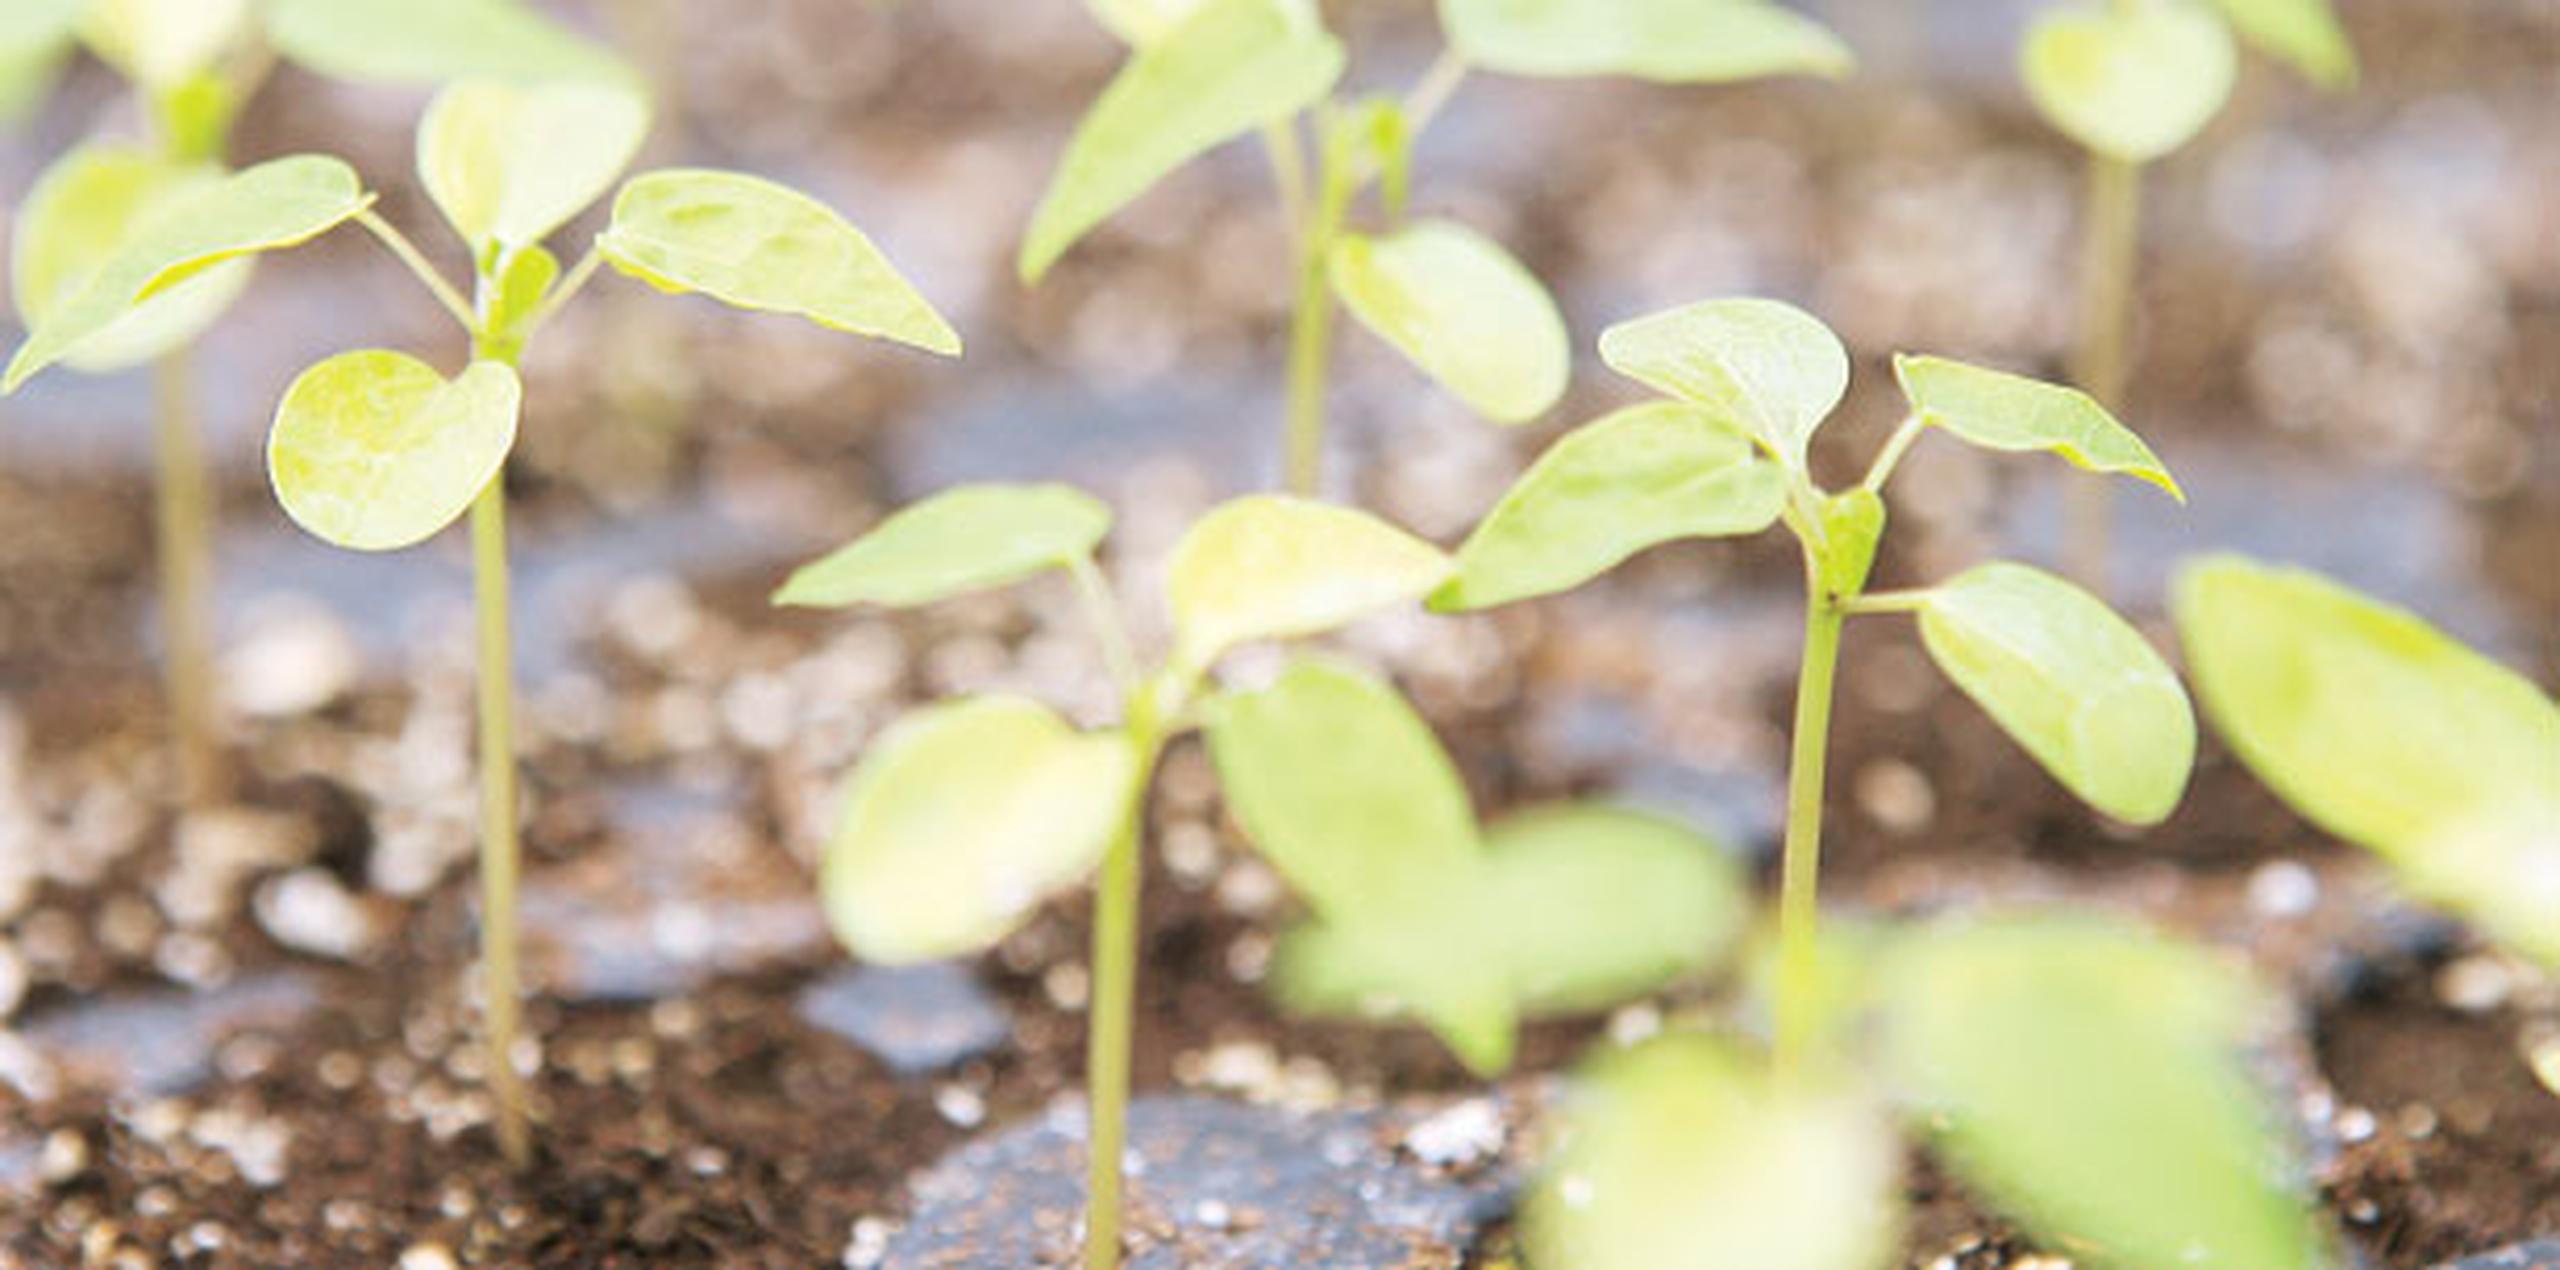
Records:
x=1457, y=305
x=510, y=162
x=407, y=41
x=2304, y=33
x=965, y=539
x=963, y=817
x=161, y=43
x=1270, y=566
x=2132, y=82
x=374, y=450
x=81, y=211
x=1764, y=368
x=1668, y=41
x=2001, y=411
x=747, y=241
x=2070, y=681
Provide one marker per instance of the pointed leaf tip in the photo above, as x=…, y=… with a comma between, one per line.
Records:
x=1764, y=368
x=965, y=539
x=2001, y=411
x=1463, y=310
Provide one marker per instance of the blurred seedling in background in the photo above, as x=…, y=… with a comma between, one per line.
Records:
x=2386, y=732
x=1205, y=72
x=966, y=814
x=2131, y=81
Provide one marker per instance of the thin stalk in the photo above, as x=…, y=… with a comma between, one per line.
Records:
x=562, y=292
x=185, y=529
x=1288, y=170
x=417, y=262
x=1113, y=1012
x=1799, y=970
x=1433, y=90
x=500, y=857
x=1895, y=446
x=1104, y=617
x=1311, y=323
x=2111, y=234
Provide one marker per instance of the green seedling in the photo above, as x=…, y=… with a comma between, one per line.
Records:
x=2386, y=732
x=1746, y=384
x=1202, y=73
x=2131, y=81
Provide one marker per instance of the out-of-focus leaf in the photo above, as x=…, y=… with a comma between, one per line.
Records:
x=275, y=204
x=1672, y=41
x=2001, y=411
x=748, y=242
x=1591, y=905
x=2087, y=1080
x=35, y=39
x=963, y=817
x=159, y=43
x=968, y=538
x=82, y=209
x=2304, y=33
x=1631, y=479
x=2130, y=81
x=1766, y=369
x=1227, y=68
x=2070, y=681
x=1271, y=567
x=2388, y=733
x=1463, y=310
x=511, y=163
x=432, y=41
x=374, y=450
x=1141, y=21
x=1417, y=965
x=194, y=116
x=1684, y=1154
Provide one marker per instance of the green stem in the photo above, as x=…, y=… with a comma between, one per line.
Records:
x=1311, y=323
x=2111, y=234
x=500, y=858
x=185, y=532
x=1113, y=1012
x=418, y=265
x=1799, y=971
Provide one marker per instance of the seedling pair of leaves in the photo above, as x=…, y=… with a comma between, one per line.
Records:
x=1456, y=304
x=2135, y=79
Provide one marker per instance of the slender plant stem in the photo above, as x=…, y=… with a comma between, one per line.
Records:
x=1433, y=90
x=1895, y=446
x=1104, y=617
x=185, y=528
x=1311, y=323
x=500, y=857
x=2111, y=235
x=1288, y=171
x=562, y=292
x=1799, y=969
x=417, y=262
x=1113, y=1011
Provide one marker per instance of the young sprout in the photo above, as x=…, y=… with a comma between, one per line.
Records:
x=2130, y=81
x=2389, y=734
x=1205, y=72
x=1746, y=383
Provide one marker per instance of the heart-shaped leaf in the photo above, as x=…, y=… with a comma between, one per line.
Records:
x=748, y=242
x=81, y=211
x=2132, y=82
x=1463, y=310
x=2388, y=733
x=1766, y=369
x=374, y=450
x=35, y=40
x=162, y=43
x=1684, y=1154
x=275, y=204
x=2086, y=1079
x=2068, y=680
x=1640, y=476
x=1229, y=67
x=1671, y=41
x=965, y=539
x=1272, y=567
x=406, y=41
x=963, y=817
x=511, y=163
x=2302, y=32
x=2001, y=411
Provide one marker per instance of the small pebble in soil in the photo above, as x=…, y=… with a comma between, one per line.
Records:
x=1896, y=796
x=916, y=1019
x=2541, y=1254
x=2283, y=888
x=1460, y=1137
x=428, y=1257
x=869, y=1245
x=310, y=911
x=2542, y=1054
x=2476, y=984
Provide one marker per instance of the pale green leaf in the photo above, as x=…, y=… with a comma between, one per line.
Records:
x=1672, y=41
x=1766, y=369
x=1852, y=524
x=748, y=242
x=2133, y=82
x=1141, y=21
x=1640, y=476
x=1463, y=310
x=1271, y=567
x=433, y=41
x=2087, y=1080
x=35, y=40
x=2304, y=33
x=2386, y=732
x=160, y=43
x=1417, y=965
x=525, y=276
x=2001, y=411
x=511, y=163
x=82, y=209
x=964, y=539
x=374, y=450
x=1229, y=67
x=2070, y=681
x=273, y=205
x=962, y=818
x=1685, y=1154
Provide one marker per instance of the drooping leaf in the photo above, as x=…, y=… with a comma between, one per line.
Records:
x=2087, y=1080
x=2001, y=411
x=1271, y=567
x=407, y=41
x=1671, y=41
x=510, y=163
x=35, y=40
x=1637, y=477
x=160, y=43
x=2068, y=680
x=964, y=816
x=273, y=205
x=1414, y=966
x=2133, y=82
x=1685, y=1154
x=1463, y=310
x=1227, y=68
x=1766, y=369
x=2388, y=733
x=2304, y=33
x=374, y=450
x=968, y=538
x=748, y=242
x=82, y=209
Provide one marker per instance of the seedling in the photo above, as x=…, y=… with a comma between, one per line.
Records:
x=2386, y=732
x=1202, y=73
x=1746, y=384
x=2131, y=82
